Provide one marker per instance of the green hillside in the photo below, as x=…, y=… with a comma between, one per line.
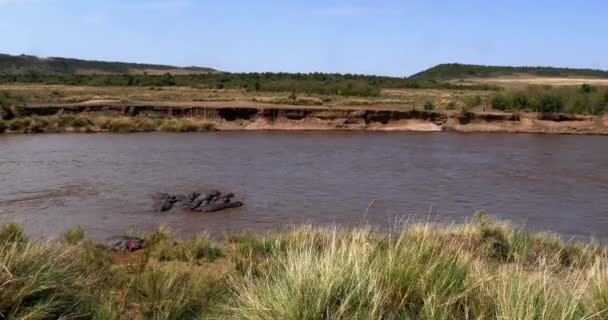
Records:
x=459, y=71
x=25, y=64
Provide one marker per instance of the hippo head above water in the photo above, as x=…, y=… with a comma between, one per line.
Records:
x=135, y=244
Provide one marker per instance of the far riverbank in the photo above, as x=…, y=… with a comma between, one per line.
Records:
x=115, y=116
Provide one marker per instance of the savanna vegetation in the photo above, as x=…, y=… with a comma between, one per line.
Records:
x=31, y=80
x=451, y=71
x=317, y=83
x=76, y=72
x=27, y=94
x=585, y=99
x=480, y=270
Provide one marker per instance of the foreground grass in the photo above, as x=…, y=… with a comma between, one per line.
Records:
x=482, y=270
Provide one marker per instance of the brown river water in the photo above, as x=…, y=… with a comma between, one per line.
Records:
x=105, y=182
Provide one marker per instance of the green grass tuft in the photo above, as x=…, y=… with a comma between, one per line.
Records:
x=74, y=236
x=11, y=232
x=200, y=248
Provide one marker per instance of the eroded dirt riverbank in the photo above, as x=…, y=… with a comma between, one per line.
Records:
x=235, y=115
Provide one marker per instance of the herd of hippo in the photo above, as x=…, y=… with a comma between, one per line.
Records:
x=208, y=202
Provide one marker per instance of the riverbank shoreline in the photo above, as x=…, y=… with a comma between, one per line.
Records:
x=233, y=116
x=483, y=269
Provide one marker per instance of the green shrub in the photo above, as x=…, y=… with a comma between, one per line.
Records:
x=428, y=106
x=2, y=126
x=550, y=103
x=521, y=102
x=500, y=102
x=472, y=102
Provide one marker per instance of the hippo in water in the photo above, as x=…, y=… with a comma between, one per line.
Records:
x=203, y=199
x=193, y=196
x=225, y=199
x=210, y=202
x=124, y=243
x=214, y=207
x=164, y=202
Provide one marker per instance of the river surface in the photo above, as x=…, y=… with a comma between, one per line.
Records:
x=105, y=182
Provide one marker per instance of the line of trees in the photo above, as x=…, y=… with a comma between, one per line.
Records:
x=585, y=99
x=314, y=83
x=456, y=70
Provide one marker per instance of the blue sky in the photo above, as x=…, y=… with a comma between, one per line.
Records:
x=358, y=36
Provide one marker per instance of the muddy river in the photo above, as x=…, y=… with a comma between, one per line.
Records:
x=105, y=182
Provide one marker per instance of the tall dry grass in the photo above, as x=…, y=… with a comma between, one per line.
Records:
x=479, y=270
x=483, y=270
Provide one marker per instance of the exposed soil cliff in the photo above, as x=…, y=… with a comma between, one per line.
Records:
x=233, y=116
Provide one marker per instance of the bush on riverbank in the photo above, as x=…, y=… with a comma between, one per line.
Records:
x=585, y=99
x=481, y=270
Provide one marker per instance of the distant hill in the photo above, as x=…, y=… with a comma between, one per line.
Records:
x=460, y=71
x=25, y=64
